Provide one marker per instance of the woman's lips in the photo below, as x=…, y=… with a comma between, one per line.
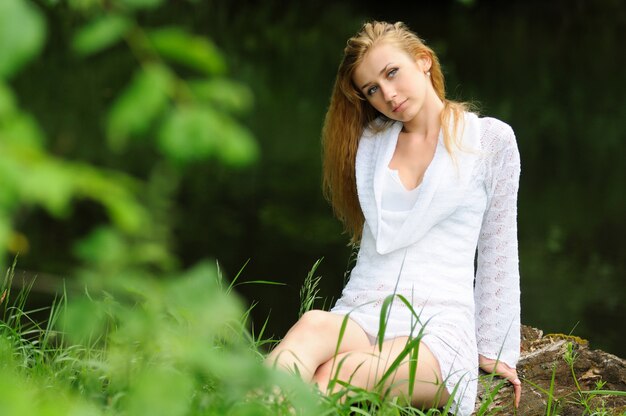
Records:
x=399, y=107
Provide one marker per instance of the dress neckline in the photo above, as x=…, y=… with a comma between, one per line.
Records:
x=395, y=175
x=431, y=164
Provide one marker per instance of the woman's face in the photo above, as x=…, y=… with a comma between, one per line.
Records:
x=394, y=83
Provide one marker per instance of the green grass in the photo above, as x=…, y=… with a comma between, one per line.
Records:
x=177, y=345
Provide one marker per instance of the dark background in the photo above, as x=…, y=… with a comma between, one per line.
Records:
x=553, y=70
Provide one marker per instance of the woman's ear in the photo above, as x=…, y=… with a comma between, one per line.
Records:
x=424, y=62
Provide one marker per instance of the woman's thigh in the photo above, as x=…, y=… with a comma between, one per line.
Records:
x=316, y=338
x=337, y=333
x=374, y=369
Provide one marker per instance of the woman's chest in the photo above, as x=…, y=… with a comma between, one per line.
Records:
x=412, y=157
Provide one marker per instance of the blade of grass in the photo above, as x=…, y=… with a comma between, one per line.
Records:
x=551, y=392
x=310, y=289
x=605, y=392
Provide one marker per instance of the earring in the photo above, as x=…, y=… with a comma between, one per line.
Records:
x=428, y=73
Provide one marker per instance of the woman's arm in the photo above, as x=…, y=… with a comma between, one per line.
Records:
x=496, y=292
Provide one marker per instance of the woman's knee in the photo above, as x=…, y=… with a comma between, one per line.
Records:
x=346, y=367
x=316, y=322
x=324, y=374
x=322, y=331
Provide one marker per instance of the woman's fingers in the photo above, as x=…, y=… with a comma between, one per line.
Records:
x=503, y=370
x=511, y=375
x=517, y=388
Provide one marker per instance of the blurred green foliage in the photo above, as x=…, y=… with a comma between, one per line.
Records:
x=174, y=347
x=182, y=106
x=22, y=32
x=32, y=176
x=118, y=100
x=146, y=336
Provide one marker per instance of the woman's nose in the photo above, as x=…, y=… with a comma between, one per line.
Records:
x=388, y=92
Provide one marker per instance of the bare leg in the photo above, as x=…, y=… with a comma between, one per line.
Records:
x=365, y=367
x=313, y=340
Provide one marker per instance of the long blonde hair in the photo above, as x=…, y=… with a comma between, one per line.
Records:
x=349, y=114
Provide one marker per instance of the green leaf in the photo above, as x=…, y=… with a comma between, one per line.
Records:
x=100, y=34
x=83, y=319
x=126, y=212
x=196, y=298
x=11, y=173
x=228, y=95
x=141, y=4
x=7, y=100
x=15, y=397
x=20, y=153
x=194, y=52
x=190, y=133
x=84, y=6
x=5, y=232
x=139, y=105
x=22, y=31
x=21, y=132
x=103, y=246
x=237, y=146
x=160, y=391
x=114, y=192
x=193, y=133
x=49, y=184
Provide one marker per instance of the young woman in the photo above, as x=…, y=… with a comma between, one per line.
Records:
x=420, y=183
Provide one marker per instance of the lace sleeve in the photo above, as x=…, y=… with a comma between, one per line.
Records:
x=496, y=292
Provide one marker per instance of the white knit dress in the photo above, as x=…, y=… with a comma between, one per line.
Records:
x=427, y=253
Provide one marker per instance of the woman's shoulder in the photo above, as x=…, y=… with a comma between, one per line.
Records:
x=493, y=125
x=496, y=134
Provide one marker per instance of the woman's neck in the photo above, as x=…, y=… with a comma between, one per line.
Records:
x=428, y=121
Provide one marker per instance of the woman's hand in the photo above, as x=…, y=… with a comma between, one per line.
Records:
x=501, y=369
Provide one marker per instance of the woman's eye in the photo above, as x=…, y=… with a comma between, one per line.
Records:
x=392, y=73
x=372, y=90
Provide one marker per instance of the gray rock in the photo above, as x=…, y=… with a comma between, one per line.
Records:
x=544, y=355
